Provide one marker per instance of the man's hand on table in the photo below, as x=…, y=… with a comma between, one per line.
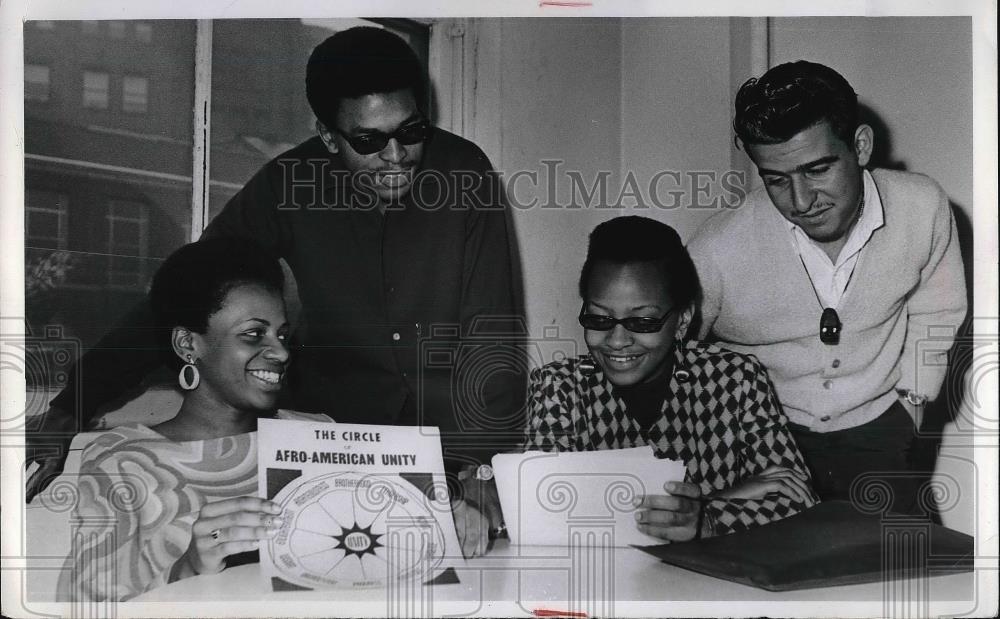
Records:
x=482, y=494
x=675, y=516
x=472, y=527
x=477, y=509
x=793, y=484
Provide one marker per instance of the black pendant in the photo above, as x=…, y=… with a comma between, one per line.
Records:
x=829, y=327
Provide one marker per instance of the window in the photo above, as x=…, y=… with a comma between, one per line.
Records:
x=144, y=32
x=45, y=217
x=116, y=29
x=95, y=90
x=135, y=93
x=45, y=25
x=128, y=241
x=36, y=82
x=123, y=164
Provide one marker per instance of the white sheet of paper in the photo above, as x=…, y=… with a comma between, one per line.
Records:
x=558, y=499
x=363, y=505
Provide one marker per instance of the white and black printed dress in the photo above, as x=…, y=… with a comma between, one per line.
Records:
x=719, y=417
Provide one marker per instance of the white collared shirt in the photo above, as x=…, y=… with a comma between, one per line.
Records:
x=828, y=278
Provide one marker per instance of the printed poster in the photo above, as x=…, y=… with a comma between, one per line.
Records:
x=363, y=505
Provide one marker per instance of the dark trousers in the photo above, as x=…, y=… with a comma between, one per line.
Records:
x=878, y=450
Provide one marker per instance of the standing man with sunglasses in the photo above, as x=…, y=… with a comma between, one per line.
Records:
x=394, y=230
x=847, y=284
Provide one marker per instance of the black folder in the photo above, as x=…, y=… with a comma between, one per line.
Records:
x=832, y=543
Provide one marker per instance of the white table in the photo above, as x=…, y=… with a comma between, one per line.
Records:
x=512, y=581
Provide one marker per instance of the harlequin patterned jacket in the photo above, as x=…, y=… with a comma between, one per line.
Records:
x=720, y=418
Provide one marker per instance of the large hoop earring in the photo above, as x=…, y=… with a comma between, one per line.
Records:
x=189, y=376
x=680, y=336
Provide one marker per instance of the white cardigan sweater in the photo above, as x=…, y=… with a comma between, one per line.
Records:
x=900, y=311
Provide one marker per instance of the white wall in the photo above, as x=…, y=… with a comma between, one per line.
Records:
x=557, y=90
x=617, y=96
x=915, y=73
x=675, y=110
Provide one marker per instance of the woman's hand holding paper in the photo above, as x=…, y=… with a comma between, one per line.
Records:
x=226, y=528
x=674, y=516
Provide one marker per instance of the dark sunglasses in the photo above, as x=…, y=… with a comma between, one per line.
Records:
x=370, y=143
x=635, y=324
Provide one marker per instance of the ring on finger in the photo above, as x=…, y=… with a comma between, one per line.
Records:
x=215, y=533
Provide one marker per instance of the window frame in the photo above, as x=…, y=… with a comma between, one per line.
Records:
x=450, y=61
x=84, y=90
x=446, y=49
x=60, y=210
x=131, y=212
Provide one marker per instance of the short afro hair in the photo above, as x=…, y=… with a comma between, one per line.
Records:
x=192, y=283
x=629, y=239
x=360, y=61
x=792, y=97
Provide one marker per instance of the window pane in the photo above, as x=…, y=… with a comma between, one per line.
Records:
x=259, y=106
x=135, y=93
x=128, y=232
x=116, y=29
x=144, y=32
x=36, y=82
x=88, y=165
x=43, y=227
x=95, y=90
x=45, y=220
x=90, y=26
x=125, y=237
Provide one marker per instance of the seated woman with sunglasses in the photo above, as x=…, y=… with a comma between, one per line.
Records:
x=161, y=503
x=643, y=384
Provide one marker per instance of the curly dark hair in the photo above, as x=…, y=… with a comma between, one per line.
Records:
x=640, y=239
x=192, y=283
x=360, y=61
x=792, y=97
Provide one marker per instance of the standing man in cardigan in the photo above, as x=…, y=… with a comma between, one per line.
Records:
x=833, y=277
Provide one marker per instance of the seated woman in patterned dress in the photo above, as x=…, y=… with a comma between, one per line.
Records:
x=643, y=384
x=157, y=504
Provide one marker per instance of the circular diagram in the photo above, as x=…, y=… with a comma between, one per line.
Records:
x=355, y=530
